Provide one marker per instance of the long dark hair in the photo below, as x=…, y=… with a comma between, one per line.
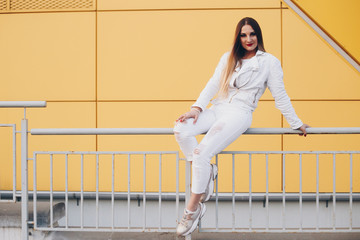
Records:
x=238, y=52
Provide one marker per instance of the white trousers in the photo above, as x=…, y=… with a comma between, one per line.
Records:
x=224, y=123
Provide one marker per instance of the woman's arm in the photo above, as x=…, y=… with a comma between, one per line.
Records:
x=213, y=85
x=282, y=100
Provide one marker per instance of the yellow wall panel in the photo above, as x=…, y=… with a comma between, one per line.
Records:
x=55, y=115
x=6, y=158
x=326, y=114
x=340, y=19
x=169, y=55
x=312, y=69
x=184, y=4
x=49, y=56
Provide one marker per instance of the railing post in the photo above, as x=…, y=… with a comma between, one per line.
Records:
x=24, y=179
x=187, y=187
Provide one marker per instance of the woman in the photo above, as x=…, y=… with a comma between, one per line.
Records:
x=239, y=81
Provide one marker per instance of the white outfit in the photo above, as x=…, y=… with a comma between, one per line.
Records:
x=230, y=117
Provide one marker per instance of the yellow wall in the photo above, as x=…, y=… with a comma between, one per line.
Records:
x=340, y=19
x=142, y=63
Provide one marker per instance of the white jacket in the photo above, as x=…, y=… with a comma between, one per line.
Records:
x=261, y=71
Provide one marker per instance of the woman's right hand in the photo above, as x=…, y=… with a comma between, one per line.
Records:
x=193, y=113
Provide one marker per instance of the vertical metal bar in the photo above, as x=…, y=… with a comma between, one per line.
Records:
x=35, y=192
x=144, y=194
x=334, y=191
x=300, y=190
x=317, y=191
x=160, y=181
x=112, y=190
x=51, y=192
x=66, y=191
x=24, y=180
x=187, y=188
x=187, y=181
x=233, y=192
x=267, y=192
x=82, y=193
x=217, y=198
x=128, y=195
x=351, y=191
x=283, y=193
x=177, y=187
x=97, y=193
x=250, y=192
x=14, y=162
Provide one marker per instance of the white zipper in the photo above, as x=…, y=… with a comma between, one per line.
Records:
x=237, y=91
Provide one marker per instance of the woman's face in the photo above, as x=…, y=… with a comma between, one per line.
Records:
x=248, y=39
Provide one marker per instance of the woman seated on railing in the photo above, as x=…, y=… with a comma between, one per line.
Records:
x=239, y=81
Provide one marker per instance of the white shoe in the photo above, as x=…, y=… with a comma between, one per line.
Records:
x=210, y=187
x=190, y=220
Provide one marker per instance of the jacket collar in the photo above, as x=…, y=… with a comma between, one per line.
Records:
x=253, y=63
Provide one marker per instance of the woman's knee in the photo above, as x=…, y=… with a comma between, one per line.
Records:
x=181, y=133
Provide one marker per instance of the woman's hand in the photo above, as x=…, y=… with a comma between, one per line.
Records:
x=303, y=129
x=193, y=113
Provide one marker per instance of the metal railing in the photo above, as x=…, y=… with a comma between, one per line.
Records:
x=285, y=196
x=24, y=163
x=234, y=197
x=127, y=196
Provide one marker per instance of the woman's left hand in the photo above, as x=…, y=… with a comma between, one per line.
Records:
x=303, y=129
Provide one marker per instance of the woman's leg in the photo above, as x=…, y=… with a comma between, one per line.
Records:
x=185, y=132
x=226, y=129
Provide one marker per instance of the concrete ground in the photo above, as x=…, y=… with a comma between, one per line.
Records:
x=199, y=236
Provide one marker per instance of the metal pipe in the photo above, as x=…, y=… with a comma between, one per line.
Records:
x=24, y=180
x=283, y=194
x=233, y=192
x=112, y=189
x=300, y=192
x=334, y=192
x=22, y=104
x=160, y=182
x=128, y=193
x=66, y=191
x=97, y=193
x=267, y=192
x=317, y=192
x=250, y=193
x=82, y=193
x=177, y=188
x=169, y=131
x=35, y=194
x=14, y=162
x=167, y=196
x=351, y=192
x=51, y=192
x=144, y=194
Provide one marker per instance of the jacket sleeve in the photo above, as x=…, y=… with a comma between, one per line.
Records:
x=213, y=85
x=282, y=100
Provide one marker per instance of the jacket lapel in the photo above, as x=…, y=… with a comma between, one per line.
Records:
x=251, y=65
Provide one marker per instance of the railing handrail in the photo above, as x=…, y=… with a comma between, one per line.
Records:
x=169, y=131
x=22, y=104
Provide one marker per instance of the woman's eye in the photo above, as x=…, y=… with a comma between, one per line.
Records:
x=252, y=34
x=243, y=35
